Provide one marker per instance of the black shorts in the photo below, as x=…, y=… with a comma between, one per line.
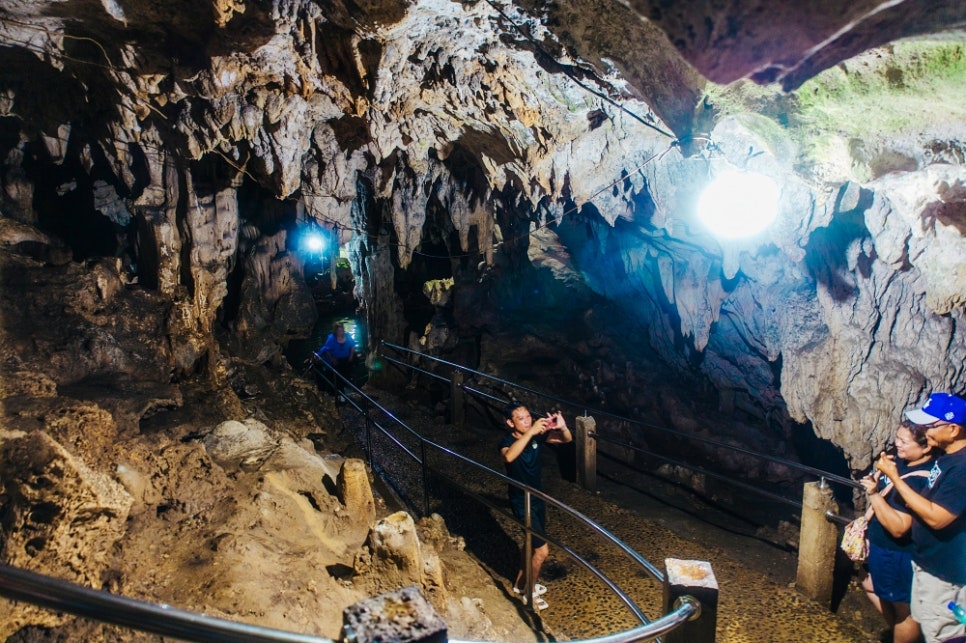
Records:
x=538, y=516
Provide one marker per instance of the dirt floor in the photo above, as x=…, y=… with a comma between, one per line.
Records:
x=245, y=521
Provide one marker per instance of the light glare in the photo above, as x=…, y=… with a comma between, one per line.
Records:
x=738, y=204
x=314, y=242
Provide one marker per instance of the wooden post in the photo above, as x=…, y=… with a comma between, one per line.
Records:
x=692, y=578
x=586, y=452
x=817, y=543
x=456, y=400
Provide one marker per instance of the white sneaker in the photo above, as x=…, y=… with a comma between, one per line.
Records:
x=538, y=589
x=539, y=603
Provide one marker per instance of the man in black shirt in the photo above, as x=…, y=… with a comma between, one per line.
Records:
x=521, y=454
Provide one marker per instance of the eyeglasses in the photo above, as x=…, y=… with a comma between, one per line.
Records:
x=934, y=425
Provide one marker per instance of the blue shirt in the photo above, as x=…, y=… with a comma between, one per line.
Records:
x=335, y=349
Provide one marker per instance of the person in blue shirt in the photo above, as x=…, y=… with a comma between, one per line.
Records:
x=521, y=450
x=938, y=518
x=339, y=350
x=889, y=582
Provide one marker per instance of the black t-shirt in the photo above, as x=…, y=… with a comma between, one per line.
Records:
x=526, y=467
x=942, y=552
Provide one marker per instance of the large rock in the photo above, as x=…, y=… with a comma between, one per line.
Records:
x=355, y=493
x=395, y=558
x=61, y=518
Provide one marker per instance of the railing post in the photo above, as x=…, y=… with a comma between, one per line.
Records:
x=817, y=543
x=586, y=452
x=528, y=580
x=691, y=578
x=334, y=270
x=369, y=454
x=456, y=399
x=422, y=455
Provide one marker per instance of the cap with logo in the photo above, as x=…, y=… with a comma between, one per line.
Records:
x=940, y=407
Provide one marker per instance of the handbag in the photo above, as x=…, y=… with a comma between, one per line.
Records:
x=854, y=542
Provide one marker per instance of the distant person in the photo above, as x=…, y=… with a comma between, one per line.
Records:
x=889, y=582
x=521, y=450
x=938, y=518
x=339, y=350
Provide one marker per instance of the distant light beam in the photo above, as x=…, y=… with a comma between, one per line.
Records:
x=738, y=204
x=313, y=242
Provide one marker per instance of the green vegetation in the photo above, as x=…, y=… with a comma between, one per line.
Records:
x=890, y=90
x=887, y=93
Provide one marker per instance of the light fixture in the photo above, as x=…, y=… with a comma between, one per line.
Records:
x=738, y=204
x=313, y=242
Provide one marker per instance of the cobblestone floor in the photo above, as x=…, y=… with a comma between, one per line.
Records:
x=757, y=602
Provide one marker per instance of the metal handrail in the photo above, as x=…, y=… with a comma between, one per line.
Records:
x=643, y=562
x=703, y=471
x=601, y=412
x=62, y=596
x=689, y=607
x=71, y=598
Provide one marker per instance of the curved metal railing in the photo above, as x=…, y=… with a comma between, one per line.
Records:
x=648, y=630
x=59, y=595
x=62, y=596
x=597, y=412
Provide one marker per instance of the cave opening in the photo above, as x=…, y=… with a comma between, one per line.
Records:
x=429, y=263
x=814, y=451
x=64, y=200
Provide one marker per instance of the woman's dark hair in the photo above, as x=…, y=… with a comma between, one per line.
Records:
x=918, y=432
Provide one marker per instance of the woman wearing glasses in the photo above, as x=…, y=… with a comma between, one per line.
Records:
x=889, y=581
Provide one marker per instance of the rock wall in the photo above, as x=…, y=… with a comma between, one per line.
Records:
x=520, y=158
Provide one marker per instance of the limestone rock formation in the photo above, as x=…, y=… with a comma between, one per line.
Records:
x=790, y=41
x=120, y=476
x=355, y=494
x=512, y=186
x=59, y=514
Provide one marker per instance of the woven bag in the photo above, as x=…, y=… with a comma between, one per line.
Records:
x=854, y=543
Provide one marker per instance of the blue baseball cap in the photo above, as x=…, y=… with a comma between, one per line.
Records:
x=940, y=407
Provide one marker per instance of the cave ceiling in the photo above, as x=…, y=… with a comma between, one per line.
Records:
x=465, y=125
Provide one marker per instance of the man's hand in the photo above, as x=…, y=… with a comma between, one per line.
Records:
x=539, y=427
x=557, y=421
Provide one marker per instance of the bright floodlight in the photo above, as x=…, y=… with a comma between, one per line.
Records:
x=314, y=242
x=738, y=204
